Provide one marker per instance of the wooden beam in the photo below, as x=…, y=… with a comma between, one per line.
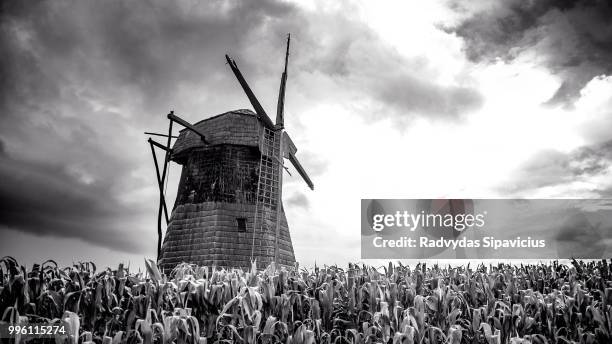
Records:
x=301, y=170
x=166, y=160
x=162, y=201
x=159, y=145
x=157, y=134
x=187, y=125
x=261, y=113
x=280, y=107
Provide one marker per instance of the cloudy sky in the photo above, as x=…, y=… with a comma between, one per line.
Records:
x=384, y=100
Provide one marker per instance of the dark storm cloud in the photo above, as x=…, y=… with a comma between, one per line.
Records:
x=154, y=51
x=552, y=168
x=80, y=82
x=150, y=48
x=572, y=38
x=44, y=199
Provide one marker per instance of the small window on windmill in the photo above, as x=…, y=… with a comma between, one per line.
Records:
x=241, y=222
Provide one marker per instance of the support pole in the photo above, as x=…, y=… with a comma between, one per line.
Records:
x=162, y=202
x=160, y=184
x=162, y=178
x=167, y=157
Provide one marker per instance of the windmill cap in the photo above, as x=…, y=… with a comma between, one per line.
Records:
x=237, y=127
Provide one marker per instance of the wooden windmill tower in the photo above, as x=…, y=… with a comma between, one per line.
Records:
x=228, y=209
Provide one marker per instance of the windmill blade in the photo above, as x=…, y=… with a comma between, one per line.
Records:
x=280, y=108
x=301, y=170
x=288, y=146
x=256, y=105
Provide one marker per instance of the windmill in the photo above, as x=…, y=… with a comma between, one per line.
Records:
x=228, y=209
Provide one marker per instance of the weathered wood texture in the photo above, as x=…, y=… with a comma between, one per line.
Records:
x=218, y=186
x=239, y=127
x=224, y=173
x=207, y=234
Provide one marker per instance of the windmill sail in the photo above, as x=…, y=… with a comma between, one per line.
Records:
x=245, y=86
x=289, y=151
x=301, y=171
x=280, y=109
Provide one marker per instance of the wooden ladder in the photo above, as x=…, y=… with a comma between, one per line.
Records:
x=268, y=194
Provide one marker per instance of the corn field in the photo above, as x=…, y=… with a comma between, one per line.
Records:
x=546, y=303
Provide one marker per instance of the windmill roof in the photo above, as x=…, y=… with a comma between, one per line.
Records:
x=237, y=127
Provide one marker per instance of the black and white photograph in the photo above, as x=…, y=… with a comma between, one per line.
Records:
x=282, y=171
